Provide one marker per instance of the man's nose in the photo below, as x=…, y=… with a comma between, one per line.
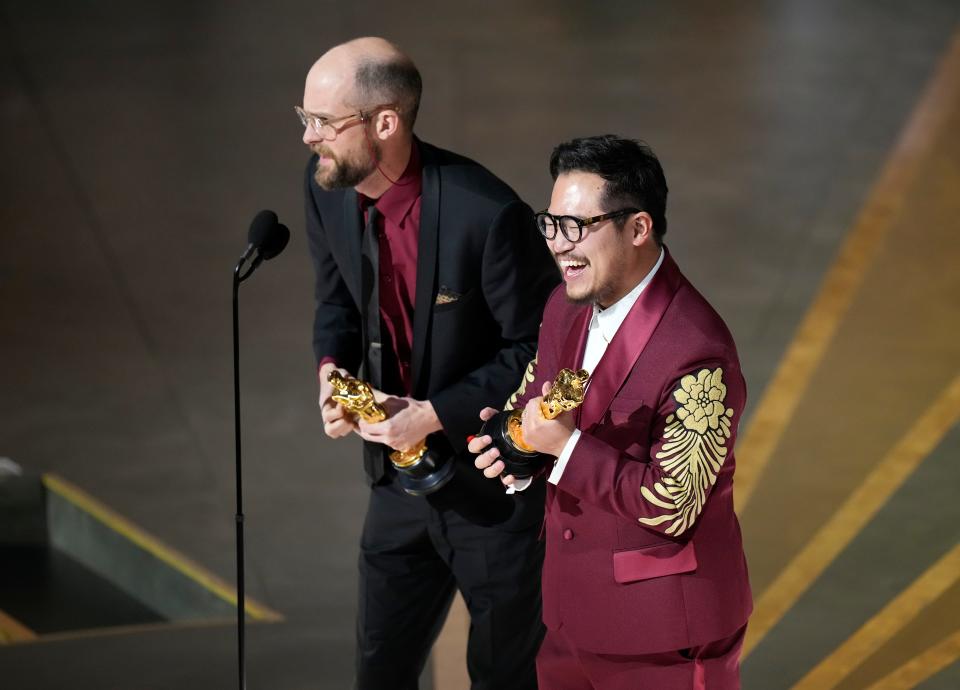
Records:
x=559, y=244
x=310, y=135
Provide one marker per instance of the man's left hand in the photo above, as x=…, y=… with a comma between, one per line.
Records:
x=546, y=435
x=408, y=423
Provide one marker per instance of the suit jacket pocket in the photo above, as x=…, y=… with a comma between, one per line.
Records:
x=626, y=426
x=450, y=301
x=628, y=411
x=654, y=561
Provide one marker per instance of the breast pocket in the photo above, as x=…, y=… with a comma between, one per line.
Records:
x=627, y=426
x=449, y=301
x=627, y=411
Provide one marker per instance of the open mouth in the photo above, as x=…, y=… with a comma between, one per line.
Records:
x=572, y=268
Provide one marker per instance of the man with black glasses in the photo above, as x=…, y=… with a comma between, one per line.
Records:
x=430, y=273
x=645, y=581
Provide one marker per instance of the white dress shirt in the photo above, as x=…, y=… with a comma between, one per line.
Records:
x=603, y=326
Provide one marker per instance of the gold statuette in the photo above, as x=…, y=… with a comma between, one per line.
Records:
x=506, y=428
x=356, y=397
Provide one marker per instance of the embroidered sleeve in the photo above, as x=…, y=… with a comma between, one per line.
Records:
x=692, y=450
x=528, y=377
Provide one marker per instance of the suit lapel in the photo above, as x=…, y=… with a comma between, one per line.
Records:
x=353, y=232
x=571, y=354
x=629, y=343
x=426, y=262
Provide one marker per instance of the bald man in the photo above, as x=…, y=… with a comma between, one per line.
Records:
x=460, y=278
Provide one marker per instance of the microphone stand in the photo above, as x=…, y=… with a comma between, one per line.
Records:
x=239, y=276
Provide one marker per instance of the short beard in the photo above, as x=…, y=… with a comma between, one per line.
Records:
x=582, y=300
x=603, y=296
x=345, y=172
x=598, y=296
x=604, y=293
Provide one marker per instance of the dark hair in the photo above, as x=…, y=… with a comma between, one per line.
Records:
x=632, y=172
x=395, y=80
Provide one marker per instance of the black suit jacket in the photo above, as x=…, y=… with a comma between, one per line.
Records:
x=477, y=240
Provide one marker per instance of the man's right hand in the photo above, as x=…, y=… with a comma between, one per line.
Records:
x=489, y=458
x=337, y=422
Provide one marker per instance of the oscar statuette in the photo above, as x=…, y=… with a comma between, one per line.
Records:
x=419, y=470
x=506, y=427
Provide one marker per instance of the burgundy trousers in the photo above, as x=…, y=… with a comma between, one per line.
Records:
x=561, y=665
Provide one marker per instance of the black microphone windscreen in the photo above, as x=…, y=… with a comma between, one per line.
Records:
x=262, y=227
x=275, y=242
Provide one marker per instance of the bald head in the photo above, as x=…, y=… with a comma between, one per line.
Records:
x=365, y=73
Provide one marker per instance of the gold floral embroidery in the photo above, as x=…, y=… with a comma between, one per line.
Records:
x=528, y=376
x=694, y=449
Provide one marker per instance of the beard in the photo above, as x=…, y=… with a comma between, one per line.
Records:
x=347, y=170
x=607, y=284
x=581, y=299
x=605, y=290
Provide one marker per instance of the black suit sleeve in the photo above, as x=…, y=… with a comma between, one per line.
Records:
x=336, y=321
x=517, y=276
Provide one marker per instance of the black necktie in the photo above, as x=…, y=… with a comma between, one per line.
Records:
x=373, y=453
x=370, y=286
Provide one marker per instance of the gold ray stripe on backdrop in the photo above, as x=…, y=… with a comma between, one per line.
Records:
x=922, y=666
x=887, y=623
x=881, y=210
x=860, y=507
x=12, y=630
x=156, y=548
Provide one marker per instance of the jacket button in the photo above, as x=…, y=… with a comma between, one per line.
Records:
x=568, y=534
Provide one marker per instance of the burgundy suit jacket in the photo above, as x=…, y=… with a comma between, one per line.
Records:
x=643, y=550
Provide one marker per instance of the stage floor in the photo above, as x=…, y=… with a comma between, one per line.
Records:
x=813, y=155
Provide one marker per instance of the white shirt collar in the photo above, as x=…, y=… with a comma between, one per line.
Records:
x=608, y=320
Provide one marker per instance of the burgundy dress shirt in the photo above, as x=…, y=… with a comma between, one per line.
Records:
x=399, y=232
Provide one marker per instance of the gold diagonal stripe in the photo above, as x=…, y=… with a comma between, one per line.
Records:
x=12, y=630
x=854, y=514
x=881, y=210
x=922, y=666
x=136, y=629
x=152, y=545
x=883, y=626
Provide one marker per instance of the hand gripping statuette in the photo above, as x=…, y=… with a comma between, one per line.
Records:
x=506, y=428
x=419, y=470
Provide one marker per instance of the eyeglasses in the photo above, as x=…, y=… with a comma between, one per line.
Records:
x=571, y=226
x=326, y=128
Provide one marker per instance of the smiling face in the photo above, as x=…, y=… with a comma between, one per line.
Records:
x=603, y=266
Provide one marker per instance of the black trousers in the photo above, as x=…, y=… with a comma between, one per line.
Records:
x=412, y=557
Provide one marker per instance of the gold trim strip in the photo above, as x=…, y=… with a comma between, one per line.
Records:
x=882, y=208
x=152, y=545
x=859, y=508
x=134, y=629
x=922, y=666
x=12, y=630
x=887, y=623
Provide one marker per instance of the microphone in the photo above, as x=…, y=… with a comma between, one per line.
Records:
x=267, y=238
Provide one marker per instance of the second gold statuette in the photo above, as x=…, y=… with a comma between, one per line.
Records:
x=506, y=428
x=419, y=470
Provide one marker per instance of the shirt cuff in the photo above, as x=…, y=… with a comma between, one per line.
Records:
x=520, y=485
x=564, y=456
x=324, y=361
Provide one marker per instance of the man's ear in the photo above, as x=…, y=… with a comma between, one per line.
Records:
x=642, y=227
x=386, y=124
